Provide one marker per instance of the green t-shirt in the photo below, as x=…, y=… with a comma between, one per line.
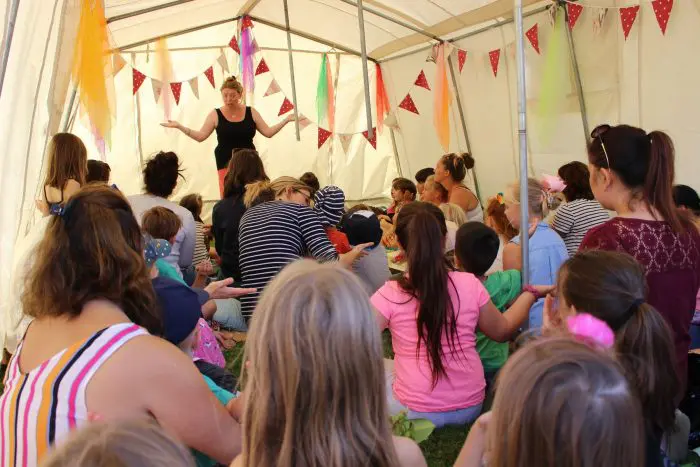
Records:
x=224, y=397
x=169, y=271
x=503, y=287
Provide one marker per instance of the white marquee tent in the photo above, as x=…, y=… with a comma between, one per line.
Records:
x=649, y=79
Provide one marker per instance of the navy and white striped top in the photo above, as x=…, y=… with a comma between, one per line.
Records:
x=573, y=220
x=272, y=235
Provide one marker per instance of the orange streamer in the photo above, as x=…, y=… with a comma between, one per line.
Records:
x=441, y=118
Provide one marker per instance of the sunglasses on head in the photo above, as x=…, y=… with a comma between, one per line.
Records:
x=598, y=132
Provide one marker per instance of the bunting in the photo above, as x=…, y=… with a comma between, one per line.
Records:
x=574, y=11
x=194, y=85
x=286, y=107
x=157, y=88
x=533, y=36
x=323, y=136
x=495, y=58
x=662, y=9
x=223, y=63
x=246, y=23
x=303, y=122
x=137, y=79
x=234, y=45
x=262, y=68
x=345, y=141
x=273, y=88
x=118, y=63
x=209, y=73
x=598, y=19
x=422, y=81
x=373, y=139
x=408, y=104
x=627, y=17
x=176, y=88
x=461, y=58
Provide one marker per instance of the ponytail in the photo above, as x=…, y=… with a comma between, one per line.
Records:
x=421, y=230
x=457, y=164
x=658, y=184
x=258, y=192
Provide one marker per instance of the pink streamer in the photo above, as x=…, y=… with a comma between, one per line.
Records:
x=247, y=53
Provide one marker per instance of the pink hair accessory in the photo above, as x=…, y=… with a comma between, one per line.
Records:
x=590, y=330
x=553, y=183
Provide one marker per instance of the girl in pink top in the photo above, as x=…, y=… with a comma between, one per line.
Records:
x=432, y=312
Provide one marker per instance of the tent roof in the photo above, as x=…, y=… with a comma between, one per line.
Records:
x=333, y=22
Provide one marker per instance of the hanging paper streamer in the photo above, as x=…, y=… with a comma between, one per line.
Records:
x=554, y=79
x=92, y=67
x=461, y=58
x=99, y=143
x=331, y=96
x=441, y=117
x=323, y=136
x=533, y=36
x=373, y=139
x=325, y=98
x=408, y=104
x=165, y=66
x=381, y=98
x=662, y=9
x=627, y=17
x=247, y=53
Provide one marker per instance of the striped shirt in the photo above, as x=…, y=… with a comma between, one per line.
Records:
x=41, y=407
x=573, y=220
x=200, y=248
x=272, y=235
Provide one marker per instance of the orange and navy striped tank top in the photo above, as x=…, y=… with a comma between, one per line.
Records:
x=40, y=408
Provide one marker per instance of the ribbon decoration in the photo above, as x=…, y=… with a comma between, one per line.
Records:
x=165, y=65
x=382, y=99
x=554, y=78
x=247, y=52
x=325, y=95
x=441, y=117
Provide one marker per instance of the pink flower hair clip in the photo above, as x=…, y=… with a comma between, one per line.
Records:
x=591, y=330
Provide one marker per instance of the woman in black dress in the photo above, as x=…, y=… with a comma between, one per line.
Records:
x=235, y=126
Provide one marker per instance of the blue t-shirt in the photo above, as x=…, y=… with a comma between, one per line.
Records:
x=224, y=397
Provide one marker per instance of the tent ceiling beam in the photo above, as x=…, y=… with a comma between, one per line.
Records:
x=147, y=10
x=223, y=46
x=174, y=34
x=248, y=7
x=413, y=28
x=469, y=34
x=309, y=37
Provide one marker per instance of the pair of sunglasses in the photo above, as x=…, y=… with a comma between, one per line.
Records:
x=598, y=132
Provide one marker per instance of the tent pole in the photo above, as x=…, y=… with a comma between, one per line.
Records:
x=7, y=40
x=463, y=120
x=146, y=10
x=522, y=139
x=413, y=28
x=577, y=76
x=365, y=71
x=291, y=69
x=396, y=152
x=67, y=118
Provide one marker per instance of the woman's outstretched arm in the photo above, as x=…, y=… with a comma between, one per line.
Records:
x=197, y=135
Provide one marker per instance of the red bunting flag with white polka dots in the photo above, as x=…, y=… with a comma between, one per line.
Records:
x=286, y=107
x=574, y=12
x=209, y=73
x=234, y=45
x=137, y=79
x=247, y=22
x=373, y=139
x=461, y=58
x=662, y=9
x=262, y=68
x=176, y=88
x=422, y=81
x=627, y=17
x=323, y=136
x=495, y=58
x=408, y=104
x=533, y=35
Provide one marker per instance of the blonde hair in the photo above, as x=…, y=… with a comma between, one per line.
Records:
x=454, y=213
x=134, y=442
x=232, y=83
x=536, y=197
x=316, y=383
x=560, y=403
x=264, y=190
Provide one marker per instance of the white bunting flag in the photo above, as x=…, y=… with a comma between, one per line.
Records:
x=194, y=85
x=273, y=88
x=222, y=62
x=345, y=141
x=157, y=88
x=118, y=63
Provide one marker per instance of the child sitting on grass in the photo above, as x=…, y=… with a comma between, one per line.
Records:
x=476, y=249
x=403, y=191
x=329, y=204
x=362, y=226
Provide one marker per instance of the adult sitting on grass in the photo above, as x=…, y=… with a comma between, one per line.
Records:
x=91, y=350
x=314, y=391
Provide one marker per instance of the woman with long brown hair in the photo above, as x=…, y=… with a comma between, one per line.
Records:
x=314, y=386
x=632, y=174
x=66, y=173
x=90, y=351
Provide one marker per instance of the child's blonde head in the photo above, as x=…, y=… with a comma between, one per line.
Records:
x=315, y=383
x=120, y=444
x=560, y=403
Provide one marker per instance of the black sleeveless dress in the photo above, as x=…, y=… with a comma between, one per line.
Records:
x=233, y=135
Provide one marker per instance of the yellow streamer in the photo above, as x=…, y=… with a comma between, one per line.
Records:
x=441, y=117
x=165, y=67
x=554, y=79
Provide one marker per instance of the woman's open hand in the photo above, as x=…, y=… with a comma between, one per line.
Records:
x=170, y=124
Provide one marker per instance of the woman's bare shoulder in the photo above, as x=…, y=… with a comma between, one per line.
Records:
x=408, y=452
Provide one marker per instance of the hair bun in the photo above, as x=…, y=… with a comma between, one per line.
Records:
x=468, y=160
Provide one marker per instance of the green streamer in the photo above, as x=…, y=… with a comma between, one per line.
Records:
x=554, y=79
x=322, y=92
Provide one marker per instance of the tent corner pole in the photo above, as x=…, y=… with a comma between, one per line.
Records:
x=522, y=141
x=577, y=73
x=71, y=103
x=365, y=70
x=291, y=69
x=9, y=32
x=462, y=119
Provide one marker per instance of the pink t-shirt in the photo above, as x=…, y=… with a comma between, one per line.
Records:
x=413, y=381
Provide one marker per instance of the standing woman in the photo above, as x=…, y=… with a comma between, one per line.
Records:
x=632, y=173
x=450, y=172
x=235, y=126
x=581, y=212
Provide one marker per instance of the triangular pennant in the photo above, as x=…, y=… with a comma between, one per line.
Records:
x=262, y=68
x=176, y=88
x=118, y=63
x=247, y=22
x=273, y=88
x=422, y=81
x=574, y=10
x=157, y=88
x=303, y=122
x=234, y=45
x=373, y=139
x=627, y=17
x=255, y=47
x=533, y=35
x=194, y=85
x=662, y=9
x=323, y=136
x=209, y=73
x=461, y=58
x=286, y=107
x=345, y=141
x=408, y=104
x=137, y=79
x=494, y=58
x=222, y=62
